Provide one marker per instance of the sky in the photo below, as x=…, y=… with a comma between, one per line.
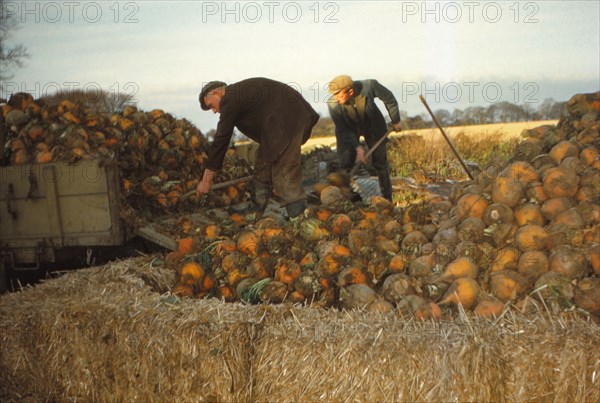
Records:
x=456, y=54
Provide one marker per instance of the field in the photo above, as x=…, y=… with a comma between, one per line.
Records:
x=507, y=130
x=420, y=158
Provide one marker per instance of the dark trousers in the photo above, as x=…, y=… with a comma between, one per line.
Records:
x=347, y=157
x=284, y=176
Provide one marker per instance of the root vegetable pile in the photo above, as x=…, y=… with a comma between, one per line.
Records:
x=527, y=228
x=530, y=227
x=160, y=157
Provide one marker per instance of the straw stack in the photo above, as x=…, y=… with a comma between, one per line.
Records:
x=110, y=334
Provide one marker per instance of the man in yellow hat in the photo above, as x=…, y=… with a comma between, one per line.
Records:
x=354, y=112
x=278, y=118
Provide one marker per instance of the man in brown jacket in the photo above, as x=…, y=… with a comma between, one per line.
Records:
x=274, y=115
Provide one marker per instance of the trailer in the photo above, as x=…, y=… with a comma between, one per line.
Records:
x=53, y=212
x=69, y=215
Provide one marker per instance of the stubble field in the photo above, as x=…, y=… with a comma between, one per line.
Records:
x=506, y=130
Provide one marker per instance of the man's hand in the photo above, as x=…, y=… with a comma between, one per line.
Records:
x=360, y=156
x=397, y=127
x=206, y=183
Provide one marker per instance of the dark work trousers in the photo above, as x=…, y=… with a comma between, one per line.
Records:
x=347, y=156
x=284, y=175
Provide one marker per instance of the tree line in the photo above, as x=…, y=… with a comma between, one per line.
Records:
x=501, y=112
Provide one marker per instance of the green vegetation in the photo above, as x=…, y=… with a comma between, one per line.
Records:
x=412, y=156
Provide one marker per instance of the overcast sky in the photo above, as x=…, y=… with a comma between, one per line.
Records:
x=457, y=54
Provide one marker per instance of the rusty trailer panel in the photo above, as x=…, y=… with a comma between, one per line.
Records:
x=48, y=206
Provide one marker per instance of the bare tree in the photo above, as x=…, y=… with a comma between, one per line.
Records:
x=416, y=122
x=545, y=108
x=11, y=56
x=529, y=111
x=444, y=117
x=475, y=115
x=458, y=116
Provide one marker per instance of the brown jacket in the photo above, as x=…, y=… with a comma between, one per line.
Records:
x=267, y=111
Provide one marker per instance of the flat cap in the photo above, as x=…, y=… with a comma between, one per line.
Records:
x=208, y=87
x=339, y=83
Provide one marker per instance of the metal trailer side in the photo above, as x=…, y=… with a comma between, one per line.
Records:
x=48, y=207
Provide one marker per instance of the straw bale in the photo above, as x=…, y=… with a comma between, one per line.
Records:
x=553, y=357
x=110, y=334
x=104, y=335
x=310, y=355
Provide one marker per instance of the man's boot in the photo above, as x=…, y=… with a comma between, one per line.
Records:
x=385, y=184
x=296, y=208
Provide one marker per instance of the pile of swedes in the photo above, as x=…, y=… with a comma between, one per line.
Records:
x=160, y=157
x=528, y=228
